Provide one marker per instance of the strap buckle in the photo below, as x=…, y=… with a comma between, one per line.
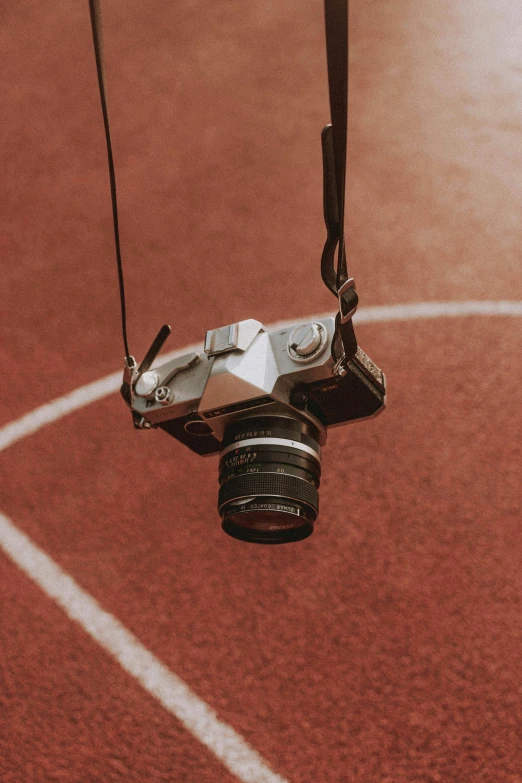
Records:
x=348, y=300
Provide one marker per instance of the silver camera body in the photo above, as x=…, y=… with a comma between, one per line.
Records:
x=245, y=370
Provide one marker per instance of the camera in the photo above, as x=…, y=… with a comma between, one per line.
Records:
x=264, y=401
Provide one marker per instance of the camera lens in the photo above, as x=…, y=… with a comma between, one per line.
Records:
x=269, y=473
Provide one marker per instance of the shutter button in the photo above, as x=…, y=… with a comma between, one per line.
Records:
x=146, y=384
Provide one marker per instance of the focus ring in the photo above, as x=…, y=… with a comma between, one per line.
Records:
x=271, y=485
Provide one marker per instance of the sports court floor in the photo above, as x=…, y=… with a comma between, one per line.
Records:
x=137, y=641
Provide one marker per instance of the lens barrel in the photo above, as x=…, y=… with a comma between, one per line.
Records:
x=269, y=472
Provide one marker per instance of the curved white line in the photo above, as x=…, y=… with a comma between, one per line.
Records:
x=85, y=395
x=175, y=695
x=423, y=310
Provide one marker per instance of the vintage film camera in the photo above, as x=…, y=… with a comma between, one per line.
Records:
x=264, y=401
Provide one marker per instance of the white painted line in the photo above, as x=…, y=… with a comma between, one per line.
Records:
x=52, y=411
x=423, y=310
x=195, y=715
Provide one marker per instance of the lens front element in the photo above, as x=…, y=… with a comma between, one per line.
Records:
x=269, y=474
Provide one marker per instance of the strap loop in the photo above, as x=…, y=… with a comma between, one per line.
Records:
x=348, y=300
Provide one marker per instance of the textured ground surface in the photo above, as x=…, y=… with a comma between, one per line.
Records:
x=386, y=648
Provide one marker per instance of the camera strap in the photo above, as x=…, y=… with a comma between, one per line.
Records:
x=94, y=8
x=334, y=140
x=132, y=371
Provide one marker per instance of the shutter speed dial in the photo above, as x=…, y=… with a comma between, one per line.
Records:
x=306, y=342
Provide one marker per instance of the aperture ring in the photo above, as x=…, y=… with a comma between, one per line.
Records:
x=269, y=485
x=292, y=466
x=288, y=470
x=265, y=459
x=292, y=444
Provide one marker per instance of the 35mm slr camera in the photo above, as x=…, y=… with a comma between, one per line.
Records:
x=264, y=401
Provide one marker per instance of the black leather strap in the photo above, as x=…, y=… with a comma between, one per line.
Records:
x=336, y=25
x=334, y=139
x=94, y=8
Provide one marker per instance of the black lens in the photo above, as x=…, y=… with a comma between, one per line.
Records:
x=269, y=473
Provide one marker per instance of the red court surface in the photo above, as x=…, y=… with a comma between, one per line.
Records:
x=387, y=647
